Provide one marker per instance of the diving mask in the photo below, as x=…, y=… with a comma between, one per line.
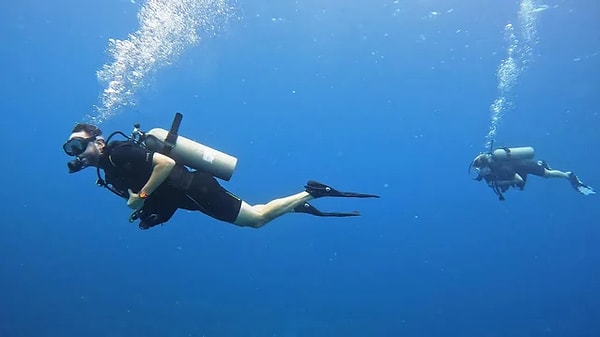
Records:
x=77, y=145
x=483, y=171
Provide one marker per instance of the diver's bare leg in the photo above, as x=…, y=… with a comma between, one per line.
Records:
x=259, y=215
x=556, y=174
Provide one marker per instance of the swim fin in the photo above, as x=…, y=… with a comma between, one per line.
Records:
x=579, y=186
x=310, y=209
x=318, y=190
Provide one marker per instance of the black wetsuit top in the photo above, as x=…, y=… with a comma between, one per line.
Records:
x=129, y=166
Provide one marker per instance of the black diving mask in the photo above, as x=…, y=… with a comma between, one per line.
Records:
x=483, y=171
x=77, y=145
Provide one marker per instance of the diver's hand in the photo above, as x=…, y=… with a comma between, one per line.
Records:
x=134, y=201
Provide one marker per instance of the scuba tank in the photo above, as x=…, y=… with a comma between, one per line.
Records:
x=188, y=152
x=513, y=153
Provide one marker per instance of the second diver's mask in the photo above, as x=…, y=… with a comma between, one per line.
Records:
x=483, y=171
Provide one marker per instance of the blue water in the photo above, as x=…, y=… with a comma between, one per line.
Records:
x=386, y=97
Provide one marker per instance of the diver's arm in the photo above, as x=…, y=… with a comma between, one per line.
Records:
x=161, y=168
x=502, y=183
x=517, y=181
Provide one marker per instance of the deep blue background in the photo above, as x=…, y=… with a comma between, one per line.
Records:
x=369, y=96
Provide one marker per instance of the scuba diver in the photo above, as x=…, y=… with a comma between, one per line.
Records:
x=150, y=170
x=506, y=167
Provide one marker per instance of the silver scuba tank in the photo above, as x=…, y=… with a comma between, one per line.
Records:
x=190, y=153
x=513, y=153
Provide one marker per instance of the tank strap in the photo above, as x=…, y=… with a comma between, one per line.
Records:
x=171, y=139
x=508, y=151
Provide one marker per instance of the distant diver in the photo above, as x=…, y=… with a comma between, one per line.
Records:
x=506, y=167
x=151, y=170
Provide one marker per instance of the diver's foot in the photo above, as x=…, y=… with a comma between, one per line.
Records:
x=310, y=209
x=578, y=185
x=318, y=190
x=573, y=179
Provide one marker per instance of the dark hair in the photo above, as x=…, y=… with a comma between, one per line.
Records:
x=481, y=161
x=88, y=128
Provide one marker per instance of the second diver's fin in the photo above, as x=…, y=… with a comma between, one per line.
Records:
x=318, y=190
x=579, y=186
x=310, y=209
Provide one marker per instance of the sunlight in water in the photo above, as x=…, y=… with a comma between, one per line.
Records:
x=519, y=55
x=166, y=28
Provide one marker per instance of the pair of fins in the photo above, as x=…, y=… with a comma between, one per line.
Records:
x=573, y=179
x=319, y=190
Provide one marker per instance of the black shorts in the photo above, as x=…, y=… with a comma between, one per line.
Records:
x=205, y=194
x=530, y=167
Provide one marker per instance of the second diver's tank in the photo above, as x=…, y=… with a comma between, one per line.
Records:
x=513, y=153
x=190, y=153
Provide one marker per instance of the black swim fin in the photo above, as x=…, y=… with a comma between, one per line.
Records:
x=579, y=186
x=318, y=190
x=310, y=209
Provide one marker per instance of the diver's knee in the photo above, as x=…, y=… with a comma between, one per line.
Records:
x=253, y=216
x=250, y=219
